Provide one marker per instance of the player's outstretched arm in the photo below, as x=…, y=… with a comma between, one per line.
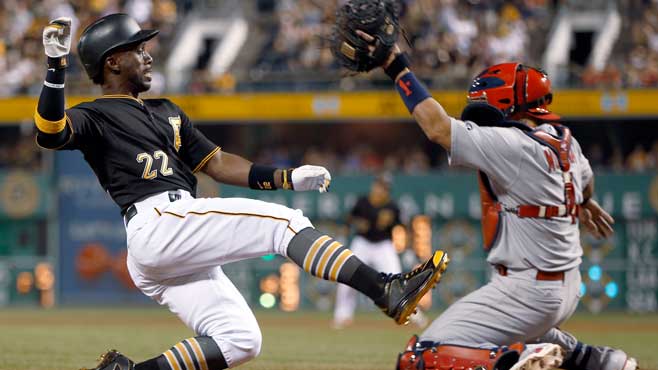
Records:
x=50, y=117
x=232, y=169
x=428, y=113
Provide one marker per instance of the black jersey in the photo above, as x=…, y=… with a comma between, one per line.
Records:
x=138, y=147
x=380, y=219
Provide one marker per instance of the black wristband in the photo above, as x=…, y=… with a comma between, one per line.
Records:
x=398, y=65
x=585, y=200
x=261, y=177
x=57, y=63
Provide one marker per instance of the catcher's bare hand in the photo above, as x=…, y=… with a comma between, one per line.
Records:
x=596, y=220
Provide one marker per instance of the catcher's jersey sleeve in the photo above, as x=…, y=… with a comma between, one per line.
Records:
x=494, y=150
x=197, y=149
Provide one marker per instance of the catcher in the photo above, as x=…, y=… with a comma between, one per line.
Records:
x=536, y=185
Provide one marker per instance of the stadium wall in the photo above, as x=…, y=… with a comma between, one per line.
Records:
x=442, y=210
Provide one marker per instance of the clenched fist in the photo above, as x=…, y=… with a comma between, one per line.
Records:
x=309, y=177
x=57, y=37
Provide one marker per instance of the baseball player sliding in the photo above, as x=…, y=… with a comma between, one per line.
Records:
x=536, y=185
x=145, y=154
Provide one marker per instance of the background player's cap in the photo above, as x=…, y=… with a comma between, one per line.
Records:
x=105, y=35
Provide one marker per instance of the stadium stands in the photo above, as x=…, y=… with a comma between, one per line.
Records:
x=451, y=41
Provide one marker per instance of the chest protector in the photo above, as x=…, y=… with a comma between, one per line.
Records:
x=558, y=146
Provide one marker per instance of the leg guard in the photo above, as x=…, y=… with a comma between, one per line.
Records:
x=429, y=355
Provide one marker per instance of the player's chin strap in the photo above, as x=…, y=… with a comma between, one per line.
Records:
x=428, y=355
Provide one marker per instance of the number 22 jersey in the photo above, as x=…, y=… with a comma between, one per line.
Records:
x=138, y=147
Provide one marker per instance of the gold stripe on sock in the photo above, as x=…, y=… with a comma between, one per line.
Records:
x=198, y=353
x=331, y=249
x=310, y=256
x=189, y=364
x=171, y=359
x=338, y=264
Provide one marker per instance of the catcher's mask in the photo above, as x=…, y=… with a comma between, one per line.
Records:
x=517, y=91
x=108, y=34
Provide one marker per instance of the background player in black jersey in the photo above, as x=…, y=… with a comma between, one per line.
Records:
x=145, y=154
x=373, y=218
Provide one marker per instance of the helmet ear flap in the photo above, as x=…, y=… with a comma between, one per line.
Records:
x=483, y=114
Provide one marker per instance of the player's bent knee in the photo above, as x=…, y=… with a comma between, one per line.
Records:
x=240, y=347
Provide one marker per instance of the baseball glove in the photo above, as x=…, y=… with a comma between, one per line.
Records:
x=377, y=18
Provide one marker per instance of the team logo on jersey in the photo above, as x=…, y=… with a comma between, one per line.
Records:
x=175, y=123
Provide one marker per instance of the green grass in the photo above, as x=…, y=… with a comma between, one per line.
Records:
x=71, y=338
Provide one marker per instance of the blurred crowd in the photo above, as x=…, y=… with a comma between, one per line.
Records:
x=21, y=23
x=450, y=40
x=363, y=158
x=640, y=159
x=634, y=63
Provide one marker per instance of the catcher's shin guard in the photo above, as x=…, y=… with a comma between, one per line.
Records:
x=431, y=356
x=113, y=360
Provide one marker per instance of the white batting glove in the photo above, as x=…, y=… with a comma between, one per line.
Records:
x=309, y=177
x=57, y=37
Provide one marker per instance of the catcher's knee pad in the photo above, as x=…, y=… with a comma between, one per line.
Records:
x=428, y=355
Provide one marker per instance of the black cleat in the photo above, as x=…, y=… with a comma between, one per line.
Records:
x=113, y=360
x=403, y=291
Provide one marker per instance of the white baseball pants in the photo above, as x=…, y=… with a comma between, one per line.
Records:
x=175, y=250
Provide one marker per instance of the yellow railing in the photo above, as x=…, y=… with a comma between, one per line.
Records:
x=359, y=106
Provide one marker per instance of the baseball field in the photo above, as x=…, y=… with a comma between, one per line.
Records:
x=72, y=338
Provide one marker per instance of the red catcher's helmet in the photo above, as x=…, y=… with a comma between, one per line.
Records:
x=518, y=91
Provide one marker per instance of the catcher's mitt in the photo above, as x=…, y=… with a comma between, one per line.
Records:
x=378, y=18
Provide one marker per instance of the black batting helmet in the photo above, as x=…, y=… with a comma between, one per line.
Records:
x=106, y=35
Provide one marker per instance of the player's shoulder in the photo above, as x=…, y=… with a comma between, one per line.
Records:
x=510, y=135
x=163, y=106
x=86, y=105
x=160, y=103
